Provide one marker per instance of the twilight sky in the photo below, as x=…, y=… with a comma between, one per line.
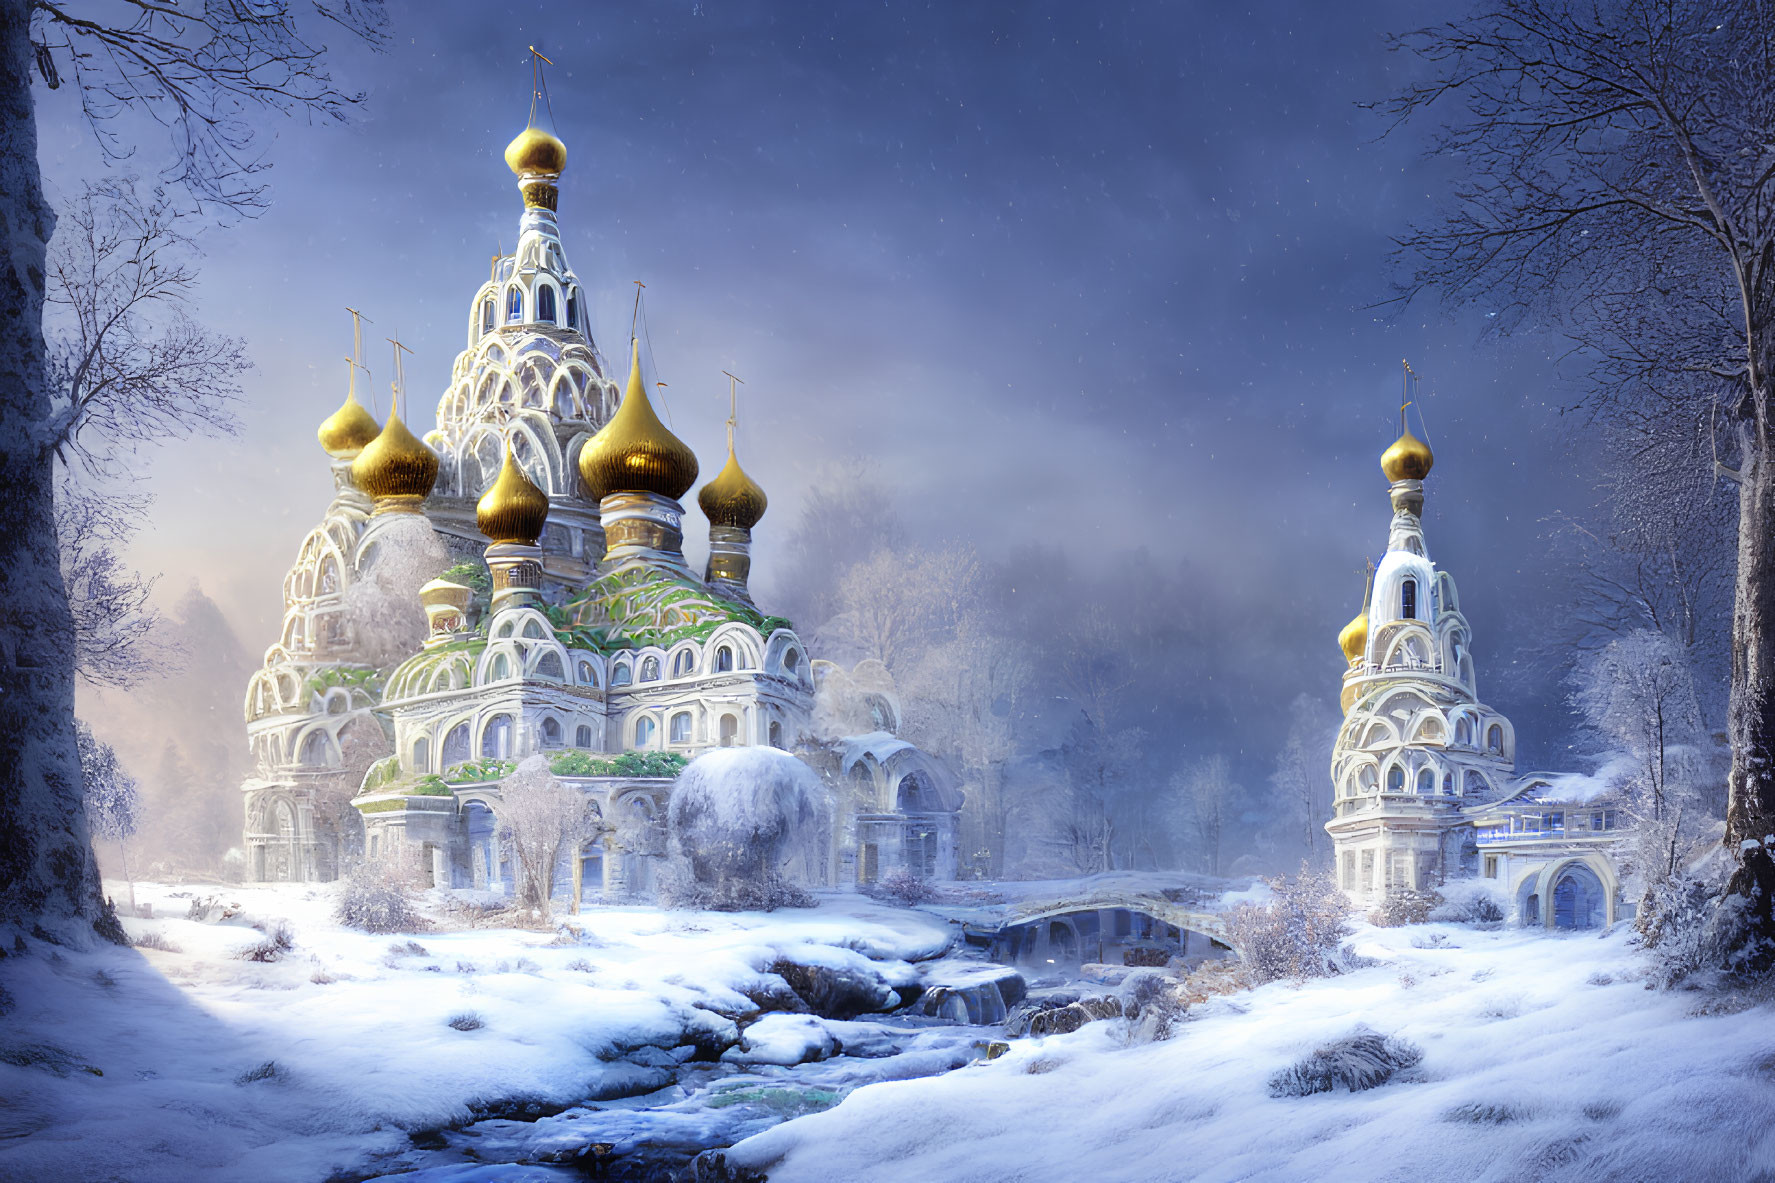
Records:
x=1100, y=274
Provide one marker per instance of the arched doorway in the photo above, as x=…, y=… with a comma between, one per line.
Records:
x=1579, y=899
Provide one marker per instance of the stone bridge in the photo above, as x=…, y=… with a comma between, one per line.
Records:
x=1189, y=915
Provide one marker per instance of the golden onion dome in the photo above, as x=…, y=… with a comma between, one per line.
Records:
x=346, y=431
x=635, y=453
x=513, y=509
x=1409, y=459
x=536, y=151
x=1353, y=640
x=395, y=464
x=732, y=498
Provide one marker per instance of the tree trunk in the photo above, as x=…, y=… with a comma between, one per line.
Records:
x=47, y=871
x=1748, y=923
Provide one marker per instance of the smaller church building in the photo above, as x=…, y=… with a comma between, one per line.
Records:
x=1424, y=780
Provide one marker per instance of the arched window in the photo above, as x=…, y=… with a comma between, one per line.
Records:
x=582, y=736
x=730, y=730
x=500, y=670
x=456, y=748
x=791, y=662
x=551, y=733
x=1464, y=731
x=650, y=670
x=573, y=308
x=684, y=663
x=421, y=753
x=681, y=727
x=620, y=675
x=1395, y=779
x=496, y=739
x=314, y=749
x=549, y=666
x=1408, y=600
x=776, y=734
x=723, y=660
x=1426, y=781
x=643, y=730
x=588, y=675
x=1494, y=739
x=514, y=306
x=545, y=303
x=1448, y=784
x=487, y=315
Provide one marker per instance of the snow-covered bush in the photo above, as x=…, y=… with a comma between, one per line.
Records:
x=1673, y=924
x=903, y=887
x=1470, y=901
x=1154, y=1004
x=278, y=940
x=1363, y=1059
x=737, y=817
x=1297, y=933
x=156, y=939
x=1402, y=906
x=374, y=896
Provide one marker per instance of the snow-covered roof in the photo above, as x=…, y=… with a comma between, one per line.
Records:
x=881, y=746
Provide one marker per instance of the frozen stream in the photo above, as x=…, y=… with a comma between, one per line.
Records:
x=708, y=1106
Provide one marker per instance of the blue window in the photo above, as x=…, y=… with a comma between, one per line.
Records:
x=487, y=315
x=514, y=306
x=545, y=304
x=1408, y=600
x=573, y=310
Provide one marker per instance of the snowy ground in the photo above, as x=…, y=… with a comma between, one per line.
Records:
x=1545, y=1057
x=327, y=1062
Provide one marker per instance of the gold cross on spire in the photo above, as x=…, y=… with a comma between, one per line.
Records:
x=1406, y=380
x=356, y=360
x=734, y=382
x=539, y=85
x=399, y=385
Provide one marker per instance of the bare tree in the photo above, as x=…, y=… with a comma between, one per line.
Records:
x=541, y=819
x=962, y=702
x=1638, y=694
x=1616, y=174
x=113, y=620
x=847, y=515
x=1301, y=778
x=127, y=365
x=201, y=71
x=1204, y=793
x=897, y=603
x=1099, y=771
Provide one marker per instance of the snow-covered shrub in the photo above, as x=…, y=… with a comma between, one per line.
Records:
x=373, y=896
x=1673, y=924
x=1363, y=1059
x=1154, y=1004
x=1470, y=901
x=155, y=939
x=269, y=1070
x=468, y=1020
x=1402, y=906
x=903, y=887
x=1297, y=933
x=278, y=940
x=738, y=816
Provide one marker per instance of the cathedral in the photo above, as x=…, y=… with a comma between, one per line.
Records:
x=1424, y=781
x=570, y=623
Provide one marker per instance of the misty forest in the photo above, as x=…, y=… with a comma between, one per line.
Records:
x=754, y=592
